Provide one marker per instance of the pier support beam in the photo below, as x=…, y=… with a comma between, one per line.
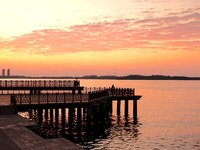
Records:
x=135, y=110
x=84, y=113
x=79, y=92
x=89, y=115
x=51, y=115
x=40, y=111
x=63, y=116
x=79, y=117
x=94, y=113
x=56, y=115
x=108, y=111
x=97, y=114
x=34, y=113
x=63, y=121
x=104, y=112
x=126, y=108
x=110, y=106
x=46, y=114
x=118, y=107
x=73, y=91
x=31, y=91
x=70, y=116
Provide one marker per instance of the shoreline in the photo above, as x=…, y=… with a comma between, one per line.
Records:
x=100, y=78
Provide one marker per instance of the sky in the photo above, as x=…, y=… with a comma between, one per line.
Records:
x=92, y=37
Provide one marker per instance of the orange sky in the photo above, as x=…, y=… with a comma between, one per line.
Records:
x=42, y=38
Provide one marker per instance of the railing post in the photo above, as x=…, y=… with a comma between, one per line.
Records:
x=20, y=99
x=126, y=107
x=135, y=110
x=89, y=96
x=118, y=107
x=5, y=83
x=72, y=98
x=38, y=99
x=56, y=98
x=47, y=98
x=81, y=98
x=29, y=100
x=64, y=97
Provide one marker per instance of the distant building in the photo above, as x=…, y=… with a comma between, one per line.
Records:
x=8, y=72
x=3, y=72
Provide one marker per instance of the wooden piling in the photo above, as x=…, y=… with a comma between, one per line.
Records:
x=89, y=115
x=56, y=115
x=79, y=117
x=110, y=107
x=51, y=115
x=63, y=121
x=63, y=115
x=46, y=114
x=40, y=111
x=126, y=108
x=118, y=106
x=70, y=116
x=135, y=109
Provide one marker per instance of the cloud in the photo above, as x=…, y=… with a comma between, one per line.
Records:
x=174, y=32
x=152, y=1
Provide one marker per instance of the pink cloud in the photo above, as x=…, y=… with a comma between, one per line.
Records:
x=172, y=33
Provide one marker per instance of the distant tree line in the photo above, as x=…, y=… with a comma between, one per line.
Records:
x=128, y=77
x=140, y=77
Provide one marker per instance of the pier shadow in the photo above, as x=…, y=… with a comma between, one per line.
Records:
x=80, y=133
x=87, y=132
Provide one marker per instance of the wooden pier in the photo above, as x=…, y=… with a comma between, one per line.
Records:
x=39, y=86
x=48, y=99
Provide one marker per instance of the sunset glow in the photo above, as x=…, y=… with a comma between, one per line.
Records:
x=61, y=38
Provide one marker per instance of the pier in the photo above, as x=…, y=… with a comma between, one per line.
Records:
x=53, y=99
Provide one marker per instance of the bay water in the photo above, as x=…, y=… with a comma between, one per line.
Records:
x=168, y=117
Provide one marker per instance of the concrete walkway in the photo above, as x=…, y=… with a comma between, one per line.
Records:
x=15, y=136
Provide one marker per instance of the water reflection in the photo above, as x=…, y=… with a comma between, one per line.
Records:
x=98, y=134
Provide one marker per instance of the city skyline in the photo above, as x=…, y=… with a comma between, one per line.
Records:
x=60, y=38
x=6, y=74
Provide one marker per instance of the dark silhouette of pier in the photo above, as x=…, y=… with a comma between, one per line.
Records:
x=61, y=99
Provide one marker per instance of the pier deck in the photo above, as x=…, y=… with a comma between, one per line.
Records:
x=14, y=135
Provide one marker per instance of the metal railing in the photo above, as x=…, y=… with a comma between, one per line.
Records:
x=122, y=91
x=39, y=83
x=111, y=91
x=54, y=98
x=50, y=98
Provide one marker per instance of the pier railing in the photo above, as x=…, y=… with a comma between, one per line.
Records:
x=50, y=98
x=122, y=91
x=54, y=98
x=39, y=83
x=111, y=91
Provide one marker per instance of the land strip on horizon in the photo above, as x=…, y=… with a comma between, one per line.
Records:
x=127, y=77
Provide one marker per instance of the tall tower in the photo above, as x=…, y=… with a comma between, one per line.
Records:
x=8, y=72
x=3, y=72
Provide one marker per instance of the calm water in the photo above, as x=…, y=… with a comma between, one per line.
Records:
x=168, y=117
